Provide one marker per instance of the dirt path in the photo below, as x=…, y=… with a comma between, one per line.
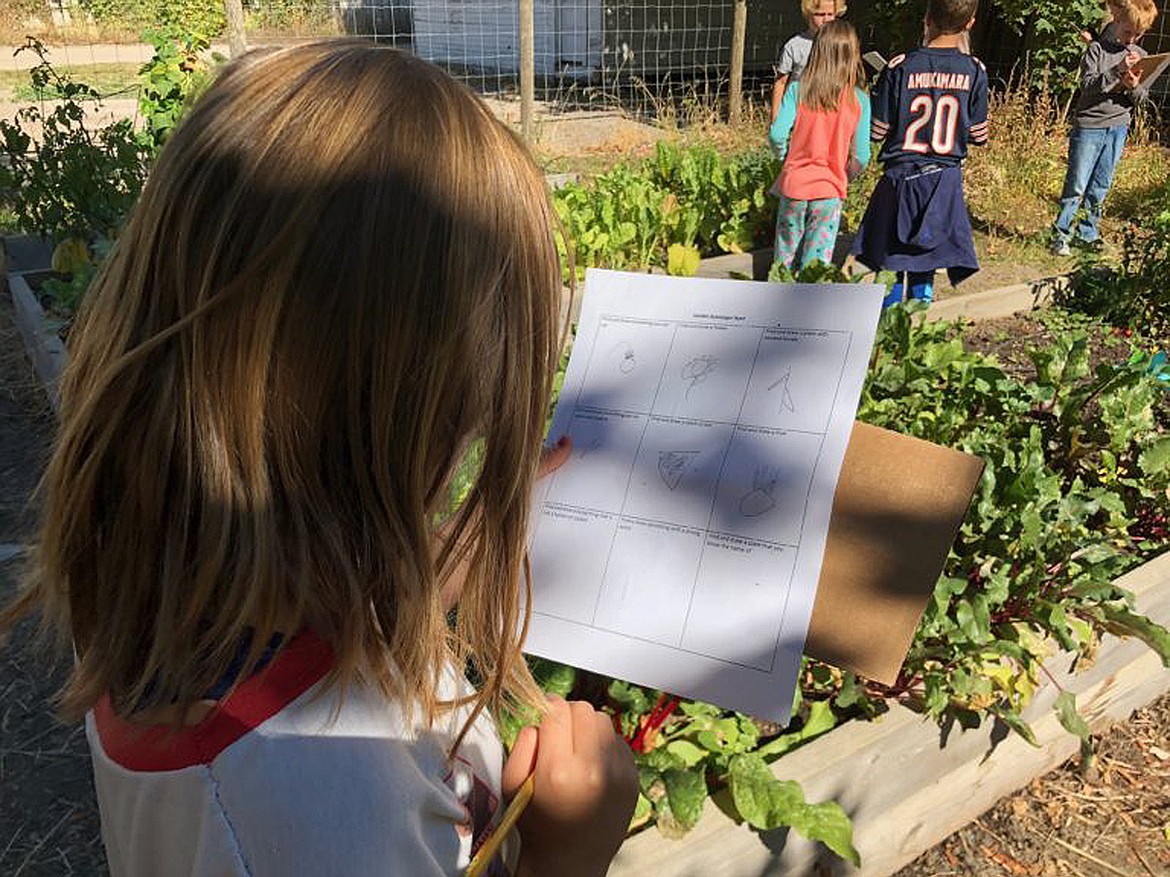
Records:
x=1115, y=822
x=48, y=817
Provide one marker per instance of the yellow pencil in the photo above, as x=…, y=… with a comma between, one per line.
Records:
x=491, y=846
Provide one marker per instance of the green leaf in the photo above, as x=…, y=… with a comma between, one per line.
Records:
x=554, y=677
x=830, y=824
x=1070, y=719
x=764, y=801
x=632, y=697
x=1156, y=458
x=686, y=752
x=1121, y=621
x=821, y=718
x=1075, y=724
x=682, y=260
x=686, y=790
x=642, y=810
x=1015, y=721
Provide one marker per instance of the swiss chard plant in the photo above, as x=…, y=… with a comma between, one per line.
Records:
x=685, y=203
x=1077, y=467
x=1073, y=459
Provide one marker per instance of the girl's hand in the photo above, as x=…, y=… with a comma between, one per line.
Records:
x=585, y=789
x=555, y=457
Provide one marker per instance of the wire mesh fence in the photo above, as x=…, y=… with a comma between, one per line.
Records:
x=1157, y=41
x=635, y=54
x=640, y=55
x=629, y=52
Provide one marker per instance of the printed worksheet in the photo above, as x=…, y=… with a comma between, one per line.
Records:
x=681, y=544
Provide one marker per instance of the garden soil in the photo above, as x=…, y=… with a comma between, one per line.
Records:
x=48, y=821
x=1111, y=822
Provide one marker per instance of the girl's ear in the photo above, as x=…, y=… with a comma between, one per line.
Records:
x=970, y=24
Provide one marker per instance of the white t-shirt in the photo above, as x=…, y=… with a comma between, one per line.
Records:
x=284, y=780
x=794, y=56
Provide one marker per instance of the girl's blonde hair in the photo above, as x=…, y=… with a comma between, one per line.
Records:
x=341, y=273
x=808, y=7
x=834, y=67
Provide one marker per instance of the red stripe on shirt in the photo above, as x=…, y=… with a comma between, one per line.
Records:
x=303, y=662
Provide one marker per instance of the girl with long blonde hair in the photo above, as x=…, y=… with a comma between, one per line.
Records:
x=340, y=277
x=822, y=134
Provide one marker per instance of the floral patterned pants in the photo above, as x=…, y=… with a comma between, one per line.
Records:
x=806, y=229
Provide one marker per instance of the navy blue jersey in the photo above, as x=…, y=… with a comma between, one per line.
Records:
x=928, y=105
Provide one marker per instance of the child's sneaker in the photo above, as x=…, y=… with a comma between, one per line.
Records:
x=1096, y=245
x=923, y=292
x=1060, y=247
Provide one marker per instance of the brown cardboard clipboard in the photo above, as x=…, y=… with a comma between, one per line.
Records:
x=1151, y=67
x=898, y=506
x=1148, y=68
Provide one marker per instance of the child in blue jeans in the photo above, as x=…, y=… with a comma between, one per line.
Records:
x=1109, y=92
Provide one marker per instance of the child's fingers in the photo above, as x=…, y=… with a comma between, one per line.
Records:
x=585, y=737
x=553, y=458
x=556, y=734
x=521, y=761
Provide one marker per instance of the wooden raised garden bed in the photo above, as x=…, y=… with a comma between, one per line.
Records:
x=903, y=788
x=41, y=341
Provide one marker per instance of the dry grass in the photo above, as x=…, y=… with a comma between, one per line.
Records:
x=1013, y=184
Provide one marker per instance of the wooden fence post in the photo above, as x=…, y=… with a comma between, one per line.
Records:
x=527, y=70
x=234, y=12
x=738, y=39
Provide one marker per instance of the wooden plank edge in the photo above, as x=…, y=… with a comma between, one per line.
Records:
x=917, y=791
x=41, y=343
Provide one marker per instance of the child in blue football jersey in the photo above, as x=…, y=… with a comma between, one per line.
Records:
x=928, y=106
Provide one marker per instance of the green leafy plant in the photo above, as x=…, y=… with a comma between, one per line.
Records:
x=173, y=77
x=1071, y=459
x=684, y=203
x=60, y=177
x=1134, y=294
